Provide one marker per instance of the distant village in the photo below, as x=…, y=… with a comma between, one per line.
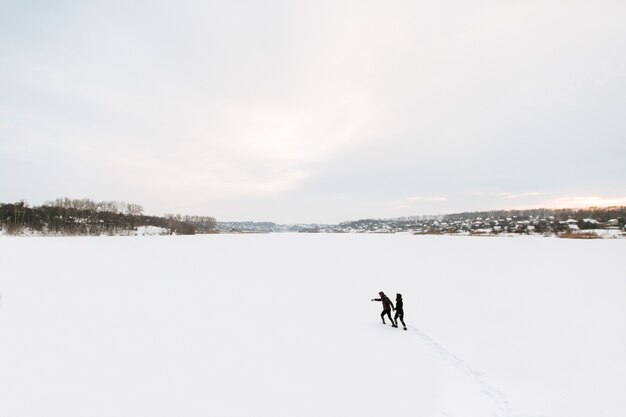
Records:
x=75, y=217
x=573, y=223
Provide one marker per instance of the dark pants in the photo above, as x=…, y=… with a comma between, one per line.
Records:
x=400, y=315
x=388, y=314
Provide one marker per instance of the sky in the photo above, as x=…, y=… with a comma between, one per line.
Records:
x=316, y=111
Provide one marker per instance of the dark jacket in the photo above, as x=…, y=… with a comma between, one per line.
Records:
x=399, y=304
x=387, y=304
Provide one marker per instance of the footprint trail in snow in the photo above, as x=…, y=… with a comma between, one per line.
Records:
x=503, y=406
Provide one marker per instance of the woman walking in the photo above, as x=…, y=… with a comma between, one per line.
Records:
x=399, y=311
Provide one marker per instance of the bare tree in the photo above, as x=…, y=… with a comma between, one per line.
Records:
x=133, y=209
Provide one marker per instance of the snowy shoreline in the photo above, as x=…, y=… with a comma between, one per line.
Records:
x=594, y=234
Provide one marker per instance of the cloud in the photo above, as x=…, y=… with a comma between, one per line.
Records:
x=431, y=198
x=504, y=194
x=586, y=201
x=313, y=108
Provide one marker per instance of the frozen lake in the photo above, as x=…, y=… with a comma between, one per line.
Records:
x=282, y=325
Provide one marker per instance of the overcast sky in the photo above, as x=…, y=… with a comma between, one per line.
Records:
x=316, y=111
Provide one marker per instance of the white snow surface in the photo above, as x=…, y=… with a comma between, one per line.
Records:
x=282, y=325
x=150, y=231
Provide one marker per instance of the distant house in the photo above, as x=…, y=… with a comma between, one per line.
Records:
x=589, y=223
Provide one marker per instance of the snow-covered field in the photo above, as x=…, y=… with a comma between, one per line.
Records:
x=282, y=325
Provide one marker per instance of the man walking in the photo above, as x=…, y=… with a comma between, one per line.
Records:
x=387, y=306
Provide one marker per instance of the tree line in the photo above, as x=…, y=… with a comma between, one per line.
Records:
x=66, y=216
x=601, y=214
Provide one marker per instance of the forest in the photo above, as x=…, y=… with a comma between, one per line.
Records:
x=71, y=217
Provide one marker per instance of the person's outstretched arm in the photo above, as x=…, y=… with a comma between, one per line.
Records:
x=376, y=299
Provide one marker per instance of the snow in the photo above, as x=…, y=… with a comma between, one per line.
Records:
x=138, y=231
x=150, y=231
x=606, y=233
x=282, y=325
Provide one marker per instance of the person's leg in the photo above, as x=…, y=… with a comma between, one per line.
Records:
x=401, y=316
x=393, y=323
x=382, y=316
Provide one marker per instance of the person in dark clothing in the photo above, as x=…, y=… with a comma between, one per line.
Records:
x=399, y=311
x=387, y=306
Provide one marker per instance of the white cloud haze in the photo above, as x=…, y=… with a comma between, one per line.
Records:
x=314, y=111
